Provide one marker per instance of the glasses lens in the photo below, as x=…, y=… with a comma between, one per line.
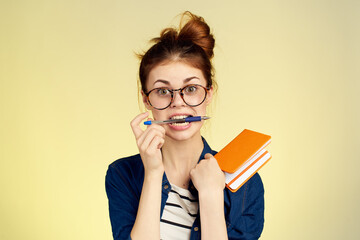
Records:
x=194, y=95
x=160, y=98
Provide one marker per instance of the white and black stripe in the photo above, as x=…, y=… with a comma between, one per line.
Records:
x=177, y=205
x=183, y=197
x=179, y=214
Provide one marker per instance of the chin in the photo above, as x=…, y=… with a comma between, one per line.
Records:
x=182, y=135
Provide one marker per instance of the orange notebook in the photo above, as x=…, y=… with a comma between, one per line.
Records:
x=243, y=157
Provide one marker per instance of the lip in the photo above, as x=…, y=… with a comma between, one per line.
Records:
x=180, y=114
x=180, y=128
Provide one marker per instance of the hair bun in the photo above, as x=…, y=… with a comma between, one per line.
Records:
x=193, y=29
x=197, y=31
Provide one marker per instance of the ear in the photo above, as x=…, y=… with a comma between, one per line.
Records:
x=145, y=101
x=209, y=95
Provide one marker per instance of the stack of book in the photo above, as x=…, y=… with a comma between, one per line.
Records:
x=243, y=157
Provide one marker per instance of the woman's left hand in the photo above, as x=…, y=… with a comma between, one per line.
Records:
x=207, y=176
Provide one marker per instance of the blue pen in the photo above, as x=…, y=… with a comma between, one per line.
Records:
x=188, y=119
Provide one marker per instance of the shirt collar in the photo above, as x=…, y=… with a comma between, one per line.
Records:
x=205, y=150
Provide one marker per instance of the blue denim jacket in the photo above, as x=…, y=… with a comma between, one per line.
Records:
x=244, y=209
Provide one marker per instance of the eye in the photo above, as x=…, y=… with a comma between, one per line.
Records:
x=162, y=91
x=191, y=89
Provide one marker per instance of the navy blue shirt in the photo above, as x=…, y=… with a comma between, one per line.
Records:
x=244, y=209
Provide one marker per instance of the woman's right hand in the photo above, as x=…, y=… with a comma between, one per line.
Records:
x=149, y=143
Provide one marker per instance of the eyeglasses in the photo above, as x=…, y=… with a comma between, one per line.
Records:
x=193, y=95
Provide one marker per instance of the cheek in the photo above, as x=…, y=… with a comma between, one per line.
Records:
x=201, y=110
x=158, y=114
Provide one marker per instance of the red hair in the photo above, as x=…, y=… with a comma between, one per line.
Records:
x=192, y=43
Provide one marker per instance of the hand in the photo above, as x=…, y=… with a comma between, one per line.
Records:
x=149, y=143
x=207, y=175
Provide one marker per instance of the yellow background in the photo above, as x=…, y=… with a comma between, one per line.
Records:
x=68, y=91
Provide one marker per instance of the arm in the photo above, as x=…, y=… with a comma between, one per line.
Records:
x=247, y=218
x=147, y=224
x=212, y=215
x=149, y=142
x=123, y=201
x=209, y=180
x=130, y=211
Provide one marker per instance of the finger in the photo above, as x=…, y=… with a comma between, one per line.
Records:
x=136, y=122
x=160, y=130
x=156, y=143
x=192, y=172
x=161, y=143
x=153, y=145
x=157, y=126
x=149, y=119
x=146, y=139
x=209, y=156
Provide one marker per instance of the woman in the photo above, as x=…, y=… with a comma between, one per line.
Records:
x=174, y=189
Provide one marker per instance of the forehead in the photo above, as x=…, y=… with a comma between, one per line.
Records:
x=175, y=73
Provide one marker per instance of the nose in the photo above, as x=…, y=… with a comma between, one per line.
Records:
x=177, y=99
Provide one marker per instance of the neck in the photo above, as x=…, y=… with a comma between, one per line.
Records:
x=181, y=156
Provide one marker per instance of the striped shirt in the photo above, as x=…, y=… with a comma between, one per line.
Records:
x=179, y=214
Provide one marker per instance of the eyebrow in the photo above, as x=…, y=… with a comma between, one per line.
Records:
x=168, y=83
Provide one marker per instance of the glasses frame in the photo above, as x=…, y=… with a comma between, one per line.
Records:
x=180, y=90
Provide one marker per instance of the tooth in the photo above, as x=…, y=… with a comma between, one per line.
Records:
x=180, y=124
x=179, y=117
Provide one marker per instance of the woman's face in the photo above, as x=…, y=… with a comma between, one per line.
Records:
x=175, y=75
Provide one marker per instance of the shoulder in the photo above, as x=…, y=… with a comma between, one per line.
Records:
x=126, y=171
x=253, y=186
x=252, y=192
x=131, y=163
